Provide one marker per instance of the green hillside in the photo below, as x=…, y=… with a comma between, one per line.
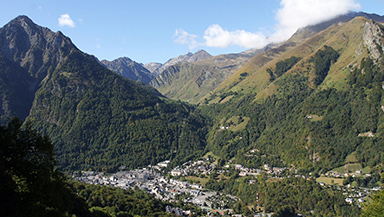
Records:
x=193, y=81
x=99, y=120
x=339, y=82
x=96, y=119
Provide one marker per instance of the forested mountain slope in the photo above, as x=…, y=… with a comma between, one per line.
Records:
x=96, y=119
x=28, y=53
x=308, y=105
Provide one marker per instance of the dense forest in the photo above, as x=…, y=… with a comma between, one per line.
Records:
x=100, y=121
x=283, y=196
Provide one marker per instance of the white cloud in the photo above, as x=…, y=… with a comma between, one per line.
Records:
x=292, y=15
x=295, y=14
x=183, y=37
x=66, y=20
x=216, y=36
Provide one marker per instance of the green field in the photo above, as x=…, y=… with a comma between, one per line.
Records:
x=330, y=180
x=235, y=123
x=351, y=158
x=198, y=180
x=316, y=118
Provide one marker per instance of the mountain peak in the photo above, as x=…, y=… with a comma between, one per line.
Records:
x=199, y=55
x=189, y=57
x=129, y=69
x=23, y=21
x=33, y=46
x=22, y=18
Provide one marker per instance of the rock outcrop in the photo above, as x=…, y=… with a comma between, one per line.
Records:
x=373, y=39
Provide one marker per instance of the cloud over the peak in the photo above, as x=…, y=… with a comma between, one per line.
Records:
x=216, y=36
x=295, y=14
x=292, y=15
x=66, y=20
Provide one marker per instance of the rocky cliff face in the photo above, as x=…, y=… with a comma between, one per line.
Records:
x=36, y=49
x=373, y=39
x=153, y=67
x=28, y=54
x=129, y=69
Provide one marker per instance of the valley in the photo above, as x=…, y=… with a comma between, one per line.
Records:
x=294, y=128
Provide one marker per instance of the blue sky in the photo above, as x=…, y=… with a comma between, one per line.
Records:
x=156, y=30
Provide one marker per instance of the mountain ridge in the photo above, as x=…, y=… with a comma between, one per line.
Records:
x=34, y=52
x=129, y=69
x=155, y=68
x=261, y=62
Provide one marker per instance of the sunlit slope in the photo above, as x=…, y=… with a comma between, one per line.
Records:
x=345, y=38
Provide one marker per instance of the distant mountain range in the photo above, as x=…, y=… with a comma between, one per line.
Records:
x=158, y=68
x=129, y=69
x=190, y=77
x=187, y=77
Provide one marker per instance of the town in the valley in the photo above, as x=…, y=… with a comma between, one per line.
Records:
x=169, y=185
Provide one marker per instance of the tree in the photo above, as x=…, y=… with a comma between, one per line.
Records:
x=28, y=178
x=375, y=207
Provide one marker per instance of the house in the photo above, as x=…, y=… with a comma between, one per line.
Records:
x=195, y=192
x=243, y=174
x=278, y=169
x=349, y=200
x=266, y=167
x=238, y=166
x=164, y=163
x=176, y=173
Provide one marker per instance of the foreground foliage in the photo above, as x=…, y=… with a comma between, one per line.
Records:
x=31, y=186
x=112, y=201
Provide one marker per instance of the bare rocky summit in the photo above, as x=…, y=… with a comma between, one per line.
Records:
x=129, y=69
x=157, y=68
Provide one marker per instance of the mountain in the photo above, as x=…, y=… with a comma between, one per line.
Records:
x=153, y=67
x=301, y=44
x=96, y=119
x=129, y=69
x=192, y=80
x=28, y=53
x=309, y=103
x=157, y=68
